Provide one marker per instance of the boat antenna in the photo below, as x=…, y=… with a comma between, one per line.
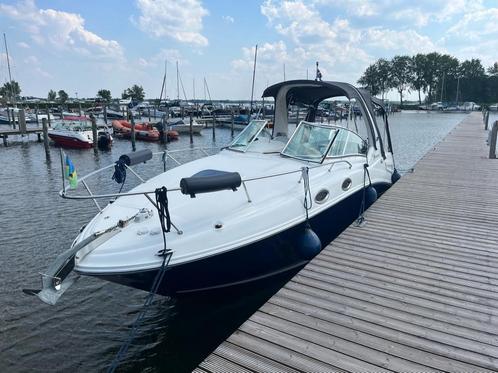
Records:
x=318, y=77
x=253, y=77
x=8, y=67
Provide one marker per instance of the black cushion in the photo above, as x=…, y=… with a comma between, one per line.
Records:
x=207, y=181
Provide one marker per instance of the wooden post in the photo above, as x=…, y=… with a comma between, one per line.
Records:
x=486, y=120
x=214, y=124
x=22, y=121
x=5, y=143
x=45, y=133
x=48, y=118
x=8, y=117
x=154, y=114
x=105, y=114
x=132, y=132
x=148, y=112
x=233, y=122
x=94, y=130
x=182, y=112
x=37, y=119
x=13, y=119
x=492, y=140
x=191, y=129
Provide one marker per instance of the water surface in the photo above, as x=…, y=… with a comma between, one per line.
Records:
x=86, y=328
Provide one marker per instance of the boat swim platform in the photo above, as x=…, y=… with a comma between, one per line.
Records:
x=413, y=290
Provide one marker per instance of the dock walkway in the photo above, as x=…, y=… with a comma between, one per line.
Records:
x=415, y=289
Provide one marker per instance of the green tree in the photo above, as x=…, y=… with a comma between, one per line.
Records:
x=418, y=83
x=135, y=92
x=52, y=95
x=10, y=89
x=401, y=75
x=447, y=72
x=384, y=79
x=105, y=95
x=493, y=70
x=370, y=80
x=63, y=96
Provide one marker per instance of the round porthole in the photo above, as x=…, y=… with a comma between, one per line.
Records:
x=322, y=196
x=346, y=184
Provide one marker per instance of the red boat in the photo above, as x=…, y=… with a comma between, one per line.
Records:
x=143, y=131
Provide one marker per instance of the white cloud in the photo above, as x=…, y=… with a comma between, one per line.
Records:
x=408, y=41
x=180, y=20
x=23, y=45
x=228, y=19
x=475, y=25
x=31, y=60
x=360, y=8
x=61, y=30
x=169, y=55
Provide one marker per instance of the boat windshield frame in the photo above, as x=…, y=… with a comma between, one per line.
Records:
x=249, y=134
x=334, y=131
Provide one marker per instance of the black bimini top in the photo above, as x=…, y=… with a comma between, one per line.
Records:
x=311, y=92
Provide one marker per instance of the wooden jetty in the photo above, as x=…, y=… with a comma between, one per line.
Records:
x=5, y=133
x=414, y=290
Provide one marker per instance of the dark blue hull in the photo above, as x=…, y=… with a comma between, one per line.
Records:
x=274, y=256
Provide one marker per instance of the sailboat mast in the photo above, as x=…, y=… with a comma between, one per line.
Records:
x=253, y=78
x=457, y=92
x=8, y=67
x=442, y=89
x=164, y=83
x=177, y=82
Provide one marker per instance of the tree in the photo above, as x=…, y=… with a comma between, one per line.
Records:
x=52, y=95
x=135, y=92
x=419, y=65
x=63, y=96
x=401, y=75
x=493, y=70
x=105, y=95
x=10, y=89
x=471, y=69
x=370, y=80
x=383, y=69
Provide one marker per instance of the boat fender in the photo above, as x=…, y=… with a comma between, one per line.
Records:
x=370, y=195
x=309, y=244
x=137, y=157
x=395, y=176
x=207, y=181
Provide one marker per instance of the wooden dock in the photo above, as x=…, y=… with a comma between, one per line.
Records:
x=414, y=290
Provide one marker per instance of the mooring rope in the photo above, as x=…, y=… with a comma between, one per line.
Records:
x=308, y=200
x=361, y=215
x=119, y=174
x=163, y=212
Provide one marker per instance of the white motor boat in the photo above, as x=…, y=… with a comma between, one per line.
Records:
x=183, y=125
x=72, y=135
x=263, y=206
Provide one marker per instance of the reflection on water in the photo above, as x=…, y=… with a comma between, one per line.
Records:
x=85, y=329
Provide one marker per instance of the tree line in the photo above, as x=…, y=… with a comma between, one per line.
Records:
x=12, y=90
x=440, y=77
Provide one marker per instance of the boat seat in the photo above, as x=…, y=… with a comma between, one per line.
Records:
x=207, y=181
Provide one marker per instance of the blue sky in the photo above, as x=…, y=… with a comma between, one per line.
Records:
x=83, y=46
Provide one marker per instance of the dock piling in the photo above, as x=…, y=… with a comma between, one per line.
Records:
x=214, y=124
x=132, y=131
x=486, y=120
x=190, y=129
x=45, y=133
x=22, y=121
x=492, y=140
x=94, y=130
x=232, y=123
x=105, y=114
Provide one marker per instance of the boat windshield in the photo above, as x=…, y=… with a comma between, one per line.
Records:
x=242, y=142
x=310, y=142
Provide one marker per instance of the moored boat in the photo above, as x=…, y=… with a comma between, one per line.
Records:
x=263, y=206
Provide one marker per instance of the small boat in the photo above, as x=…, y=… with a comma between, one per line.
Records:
x=143, y=131
x=79, y=136
x=183, y=125
x=264, y=206
x=74, y=117
x=72, y=135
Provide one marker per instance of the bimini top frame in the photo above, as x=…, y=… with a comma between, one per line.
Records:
x=311, y=92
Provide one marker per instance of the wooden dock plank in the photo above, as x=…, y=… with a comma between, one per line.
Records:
x=415, y=289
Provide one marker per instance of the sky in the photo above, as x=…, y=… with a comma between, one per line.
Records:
x=84, y=46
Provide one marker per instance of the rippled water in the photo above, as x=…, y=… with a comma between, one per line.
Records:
x=86, y=328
